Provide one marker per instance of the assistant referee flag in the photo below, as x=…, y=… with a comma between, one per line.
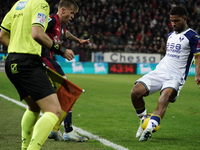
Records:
x=67, y=91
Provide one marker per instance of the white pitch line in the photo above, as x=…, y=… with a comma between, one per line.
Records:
x=79, y=130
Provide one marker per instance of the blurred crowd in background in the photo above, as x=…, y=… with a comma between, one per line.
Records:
x=134, y=26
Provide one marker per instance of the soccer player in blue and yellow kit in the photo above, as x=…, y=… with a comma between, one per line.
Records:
x=182, y=46
x=23, y=32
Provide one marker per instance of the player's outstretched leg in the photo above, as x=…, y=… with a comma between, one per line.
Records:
x=69, y=134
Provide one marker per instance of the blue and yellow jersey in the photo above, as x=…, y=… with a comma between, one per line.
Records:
x=181, y=49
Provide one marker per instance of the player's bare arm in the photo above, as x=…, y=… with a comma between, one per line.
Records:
x=197, y=67
x=4, y=38
x=71, y=37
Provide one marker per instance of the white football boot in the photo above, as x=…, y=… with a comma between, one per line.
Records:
x=73, y=136
x=57, y=136
x=139, y=132
x=146, y=134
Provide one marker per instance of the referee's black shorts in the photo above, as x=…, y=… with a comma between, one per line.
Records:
x=28, y=75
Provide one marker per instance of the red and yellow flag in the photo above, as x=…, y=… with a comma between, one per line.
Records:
x=67, y=91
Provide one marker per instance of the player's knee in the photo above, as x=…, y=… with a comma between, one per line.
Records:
x=58, y=112
x=138, y=91
x=135, y=94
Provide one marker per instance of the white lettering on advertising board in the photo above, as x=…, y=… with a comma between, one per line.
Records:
x=131, y=57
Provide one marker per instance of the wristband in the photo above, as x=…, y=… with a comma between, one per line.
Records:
x=63, y=50
x=57, y=48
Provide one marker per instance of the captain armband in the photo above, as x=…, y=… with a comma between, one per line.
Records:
x=57, y=48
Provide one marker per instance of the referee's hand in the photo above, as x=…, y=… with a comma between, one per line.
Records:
x=69, y=54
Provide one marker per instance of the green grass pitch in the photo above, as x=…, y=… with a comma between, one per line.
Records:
x=105, y=109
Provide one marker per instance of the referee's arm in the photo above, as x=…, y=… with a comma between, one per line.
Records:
x=4, y=37
x=41, y=37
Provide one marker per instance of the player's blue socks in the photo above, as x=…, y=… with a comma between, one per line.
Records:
x=68, y=123
x=153, y=122
x=141, y=112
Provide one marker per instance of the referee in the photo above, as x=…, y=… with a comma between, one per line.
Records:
x=23, y=32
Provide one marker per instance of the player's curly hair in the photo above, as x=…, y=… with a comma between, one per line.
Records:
x=179, y=10
x=68, y=4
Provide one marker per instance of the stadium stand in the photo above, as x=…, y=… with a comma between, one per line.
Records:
x=137, y=26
